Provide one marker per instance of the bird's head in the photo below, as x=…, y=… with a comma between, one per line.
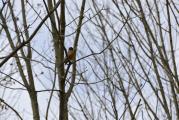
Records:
x=70, y=48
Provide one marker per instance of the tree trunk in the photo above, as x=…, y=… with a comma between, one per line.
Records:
x=63, y=107
x=34, y=104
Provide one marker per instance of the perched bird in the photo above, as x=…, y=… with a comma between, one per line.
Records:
x=70, y=55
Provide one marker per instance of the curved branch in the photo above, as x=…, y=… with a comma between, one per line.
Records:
x=1, y=100
x=31, y=37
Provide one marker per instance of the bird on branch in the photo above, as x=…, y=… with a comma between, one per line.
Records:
x=70, y=55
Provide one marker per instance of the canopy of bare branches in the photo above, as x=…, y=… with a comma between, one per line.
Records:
x=89, y=59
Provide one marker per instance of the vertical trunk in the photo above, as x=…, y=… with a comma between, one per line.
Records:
x=34, y=104
x=58, y=39
x=63, y=107
x=63, y=102
x=32, y=93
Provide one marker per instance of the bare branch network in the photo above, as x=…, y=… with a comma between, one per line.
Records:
x=89, y=59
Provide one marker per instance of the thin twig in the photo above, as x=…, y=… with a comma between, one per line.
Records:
x=1, y=100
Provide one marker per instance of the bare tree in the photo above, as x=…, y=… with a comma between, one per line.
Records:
x=124, y=67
